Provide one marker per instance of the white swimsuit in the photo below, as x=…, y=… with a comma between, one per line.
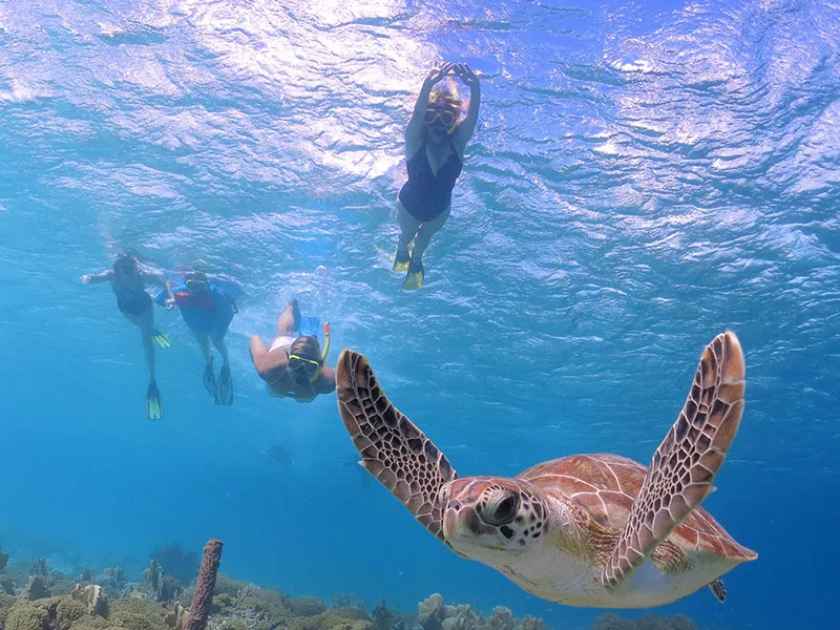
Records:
x=282, y=342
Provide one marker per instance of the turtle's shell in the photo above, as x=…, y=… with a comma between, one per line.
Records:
x=606, y=485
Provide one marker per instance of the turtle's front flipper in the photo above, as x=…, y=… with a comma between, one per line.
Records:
x=393, y=449
x=686, y=462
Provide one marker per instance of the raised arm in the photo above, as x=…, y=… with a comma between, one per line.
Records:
x=467, y=126
x=95, y=278
x=414, y=130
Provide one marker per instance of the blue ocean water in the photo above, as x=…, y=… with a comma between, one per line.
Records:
x=644, y=175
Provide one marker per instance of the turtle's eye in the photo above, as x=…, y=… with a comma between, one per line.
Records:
x=502, y=511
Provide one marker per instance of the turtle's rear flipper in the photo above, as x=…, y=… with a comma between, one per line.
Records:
x=393, y=449
x=686, y=462
x=718, y=589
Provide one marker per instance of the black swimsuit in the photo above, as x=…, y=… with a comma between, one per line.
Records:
x=426, y=195
x=133, y=301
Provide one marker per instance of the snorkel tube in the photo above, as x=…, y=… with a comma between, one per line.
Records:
x=325, y=351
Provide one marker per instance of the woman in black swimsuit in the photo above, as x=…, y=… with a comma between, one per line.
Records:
x=128, y=280
x=435, y=140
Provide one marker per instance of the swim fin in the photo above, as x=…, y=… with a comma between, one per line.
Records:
x=414, y=277
x=225, y=387
x=401, y=262
x=210, y=382
x=153, y=408
x=160, y=339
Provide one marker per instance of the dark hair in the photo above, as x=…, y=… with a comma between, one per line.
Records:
x=126, y=263
x=307, y=348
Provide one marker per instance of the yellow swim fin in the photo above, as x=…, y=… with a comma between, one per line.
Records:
x=160, y=339
x=414, y=277
x=153, y=407
x=401, y=262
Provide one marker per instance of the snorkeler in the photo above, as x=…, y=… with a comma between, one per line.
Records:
x=128, y=280
x=435, y=140
x=294, y=365
x=208, y=306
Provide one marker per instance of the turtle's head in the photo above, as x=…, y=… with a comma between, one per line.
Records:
x=487, y=516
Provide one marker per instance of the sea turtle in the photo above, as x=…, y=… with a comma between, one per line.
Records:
x=585, y=530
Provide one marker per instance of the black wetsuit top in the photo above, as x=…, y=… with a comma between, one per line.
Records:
x=132, y=299
x=426, y=195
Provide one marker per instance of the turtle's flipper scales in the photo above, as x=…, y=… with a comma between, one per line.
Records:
x=686, y=462
x=393, y=449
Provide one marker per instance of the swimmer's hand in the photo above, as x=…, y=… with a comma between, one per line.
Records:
x=85, y=278
x=169, y=303
x=436, y=74
x=463, y=72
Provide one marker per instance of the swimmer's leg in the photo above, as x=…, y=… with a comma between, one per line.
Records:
x=289, y=319
x=145, y=321
x=209, y=378
x=425, y=233
x=408, y=230
x=225, y=381
x=415, y=275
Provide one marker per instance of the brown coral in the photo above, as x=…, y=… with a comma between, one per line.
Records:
x=204, y=585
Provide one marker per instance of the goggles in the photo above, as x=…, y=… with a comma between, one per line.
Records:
x=197, y=284
x=309, y=364
x=446, y=116
x=296, y=357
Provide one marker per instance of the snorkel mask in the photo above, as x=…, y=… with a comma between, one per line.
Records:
x=308, y=364
x=443, y=106
x=197, y=282
x=447, y=115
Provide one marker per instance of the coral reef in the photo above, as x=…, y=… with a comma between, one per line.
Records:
x=6, y=602
x=176, y=617
x=86, y=576
x=175, y=561
x=434, y=614
x=137, y=614
x=153, y=577
x=114, y=579
x=384, y=619
x=7, y=585
x=93, y=597
x=158, y=586
x=205, y=584
x=305, y=606
x=47, y=603
x=39, y=567
x=36, y=588
x=4, y=559
x=650, y=622
x=52, y=613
